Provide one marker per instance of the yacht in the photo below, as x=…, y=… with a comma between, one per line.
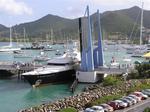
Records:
x=138, y=53
x=58, y=69
x=58, y=52
x=41, y=57
x=130, y=49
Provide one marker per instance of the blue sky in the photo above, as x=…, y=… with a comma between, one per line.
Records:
x=19, y=11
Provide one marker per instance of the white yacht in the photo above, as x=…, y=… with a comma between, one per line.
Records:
x=59, y=69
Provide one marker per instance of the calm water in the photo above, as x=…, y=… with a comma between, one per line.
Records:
x=16, y=95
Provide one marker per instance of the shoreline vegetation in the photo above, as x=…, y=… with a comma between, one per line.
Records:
x=147, y=109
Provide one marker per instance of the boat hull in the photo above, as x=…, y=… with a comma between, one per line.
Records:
x=59, y=77
x=5, y=74
x=9, y=49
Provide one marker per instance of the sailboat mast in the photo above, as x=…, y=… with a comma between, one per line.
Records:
x=10, y=44
x=141, y=29
x=24, y=34
x=52, y=36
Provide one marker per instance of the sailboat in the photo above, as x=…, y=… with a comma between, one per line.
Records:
x=10, y=47
x=21, y=53
x=48, y=47
x=140, y=49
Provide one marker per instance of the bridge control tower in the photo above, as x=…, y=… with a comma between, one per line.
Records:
x=90, y=59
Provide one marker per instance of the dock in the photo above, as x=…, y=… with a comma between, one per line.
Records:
x=112, y=70
x=74, y=85
x=17, y=68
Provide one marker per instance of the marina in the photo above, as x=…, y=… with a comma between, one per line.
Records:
x=56, y=63
x=27, y=96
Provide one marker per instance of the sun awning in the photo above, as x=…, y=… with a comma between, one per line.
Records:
x=147, y=55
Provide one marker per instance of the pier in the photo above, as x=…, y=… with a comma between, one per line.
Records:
x=112, y=70
x=74, y=85
x=17, y=68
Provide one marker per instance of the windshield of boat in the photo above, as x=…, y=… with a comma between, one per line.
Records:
x=58, y=64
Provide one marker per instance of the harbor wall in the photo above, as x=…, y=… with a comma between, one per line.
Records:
x=91, y=93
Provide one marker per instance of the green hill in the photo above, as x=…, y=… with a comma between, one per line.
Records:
x=43, y=26
x=112, y=21
x=3, y=28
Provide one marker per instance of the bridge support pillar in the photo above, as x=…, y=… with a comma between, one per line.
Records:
x=87, y=77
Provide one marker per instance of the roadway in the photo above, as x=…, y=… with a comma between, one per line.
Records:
x=139, y=107
x=110, y=70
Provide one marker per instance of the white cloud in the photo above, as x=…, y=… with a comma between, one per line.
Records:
x=77, y=7
x=119, y=3
x=14, y=7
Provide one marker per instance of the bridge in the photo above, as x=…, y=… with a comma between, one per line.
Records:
x=105, y=70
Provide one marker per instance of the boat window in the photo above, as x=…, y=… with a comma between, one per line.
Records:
x=58, y=64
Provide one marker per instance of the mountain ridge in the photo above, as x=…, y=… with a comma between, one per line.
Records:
x=112, y=21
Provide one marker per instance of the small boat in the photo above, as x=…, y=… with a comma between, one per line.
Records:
x=18, y=52
x=34, y=46
x=127, y=60
x=114, y=63
x=48, y=48
x=21, y=54
x=138, y=53
x=58, y=52
x=41, y=57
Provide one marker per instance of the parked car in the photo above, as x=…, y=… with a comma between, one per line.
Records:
x=107, y=108
x=98, y=108
x=140, y=94
x=121, y=104
x=146, y=92
x=134, y=101
x=114, y=104
x=89, y=110
x=129, y=102
x=135, y=97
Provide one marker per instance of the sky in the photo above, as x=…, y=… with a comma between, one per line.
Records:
x=14, y=12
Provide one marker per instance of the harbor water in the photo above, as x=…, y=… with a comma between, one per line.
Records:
x=16, y=94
